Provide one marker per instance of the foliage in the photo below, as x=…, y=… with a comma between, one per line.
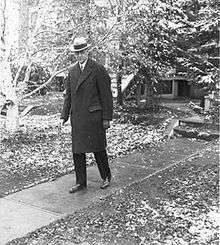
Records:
x=63, y=22
x=157, y=38
x=173, y=37
x=201, y=40
x=160, y=37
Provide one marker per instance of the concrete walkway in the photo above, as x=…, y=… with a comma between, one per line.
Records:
x=38, y=206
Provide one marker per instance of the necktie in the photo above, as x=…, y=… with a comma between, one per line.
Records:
x=80, y=69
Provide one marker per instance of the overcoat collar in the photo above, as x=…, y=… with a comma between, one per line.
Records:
x=85, y=73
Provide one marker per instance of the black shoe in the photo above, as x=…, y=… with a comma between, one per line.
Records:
x=76, y=188
x=105, y=184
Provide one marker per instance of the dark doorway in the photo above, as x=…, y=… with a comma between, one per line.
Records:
x=183, y=88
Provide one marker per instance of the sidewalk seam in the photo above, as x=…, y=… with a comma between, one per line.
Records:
x=136, y=165
x=59, y=215
x=156, y=172
x=167, y=167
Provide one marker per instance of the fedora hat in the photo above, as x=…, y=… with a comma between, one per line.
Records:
x=79, y=44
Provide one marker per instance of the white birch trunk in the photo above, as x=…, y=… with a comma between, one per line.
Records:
x=8, y=91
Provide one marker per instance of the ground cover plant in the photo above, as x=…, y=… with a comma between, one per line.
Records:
x=41, y=150
x=178, y=206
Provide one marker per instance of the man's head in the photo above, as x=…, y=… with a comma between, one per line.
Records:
x=81, y=56
x=80, y=49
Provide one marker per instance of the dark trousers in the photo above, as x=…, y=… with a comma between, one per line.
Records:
x=101, y=158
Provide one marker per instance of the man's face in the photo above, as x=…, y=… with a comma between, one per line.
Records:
x=81, y=56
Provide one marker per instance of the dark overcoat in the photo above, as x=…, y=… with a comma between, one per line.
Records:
x=88, y=101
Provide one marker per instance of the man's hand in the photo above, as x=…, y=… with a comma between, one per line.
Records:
x=106, y=124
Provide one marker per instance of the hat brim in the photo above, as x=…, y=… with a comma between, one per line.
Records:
x=81, y=49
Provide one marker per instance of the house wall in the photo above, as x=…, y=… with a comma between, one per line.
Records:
x=175, y=89
x=165, y=91
x=196, y=93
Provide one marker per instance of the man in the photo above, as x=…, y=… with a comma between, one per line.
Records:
x=88, y=100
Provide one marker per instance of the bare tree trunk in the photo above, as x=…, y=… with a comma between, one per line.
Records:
x=138, y=95
x=121, y=59
x=7, y=89
x=148, y=92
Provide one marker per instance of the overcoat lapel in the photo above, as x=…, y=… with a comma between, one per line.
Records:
x=87, y=70
x=75, y=74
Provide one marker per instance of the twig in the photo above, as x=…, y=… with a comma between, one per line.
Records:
x=106, y=35
x=17, y=74
x=58, y=72
x=111, y=6
x=47, y=31
x=4, y=21
x=45, y=84
x=28, y=73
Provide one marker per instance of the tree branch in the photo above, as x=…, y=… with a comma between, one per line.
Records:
x=112, y=7
x=47, y=31
x=62, y=70
x=4, y=21
x=28, y=73
x=106, y=35
x=17, y=74
x=45, y=84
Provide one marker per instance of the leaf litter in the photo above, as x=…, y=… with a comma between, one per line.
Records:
x=179, y=208
x=41, y=151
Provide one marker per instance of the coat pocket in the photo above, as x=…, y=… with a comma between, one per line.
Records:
x=95, y=108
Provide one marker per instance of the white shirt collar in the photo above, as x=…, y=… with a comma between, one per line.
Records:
x=82, y=65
